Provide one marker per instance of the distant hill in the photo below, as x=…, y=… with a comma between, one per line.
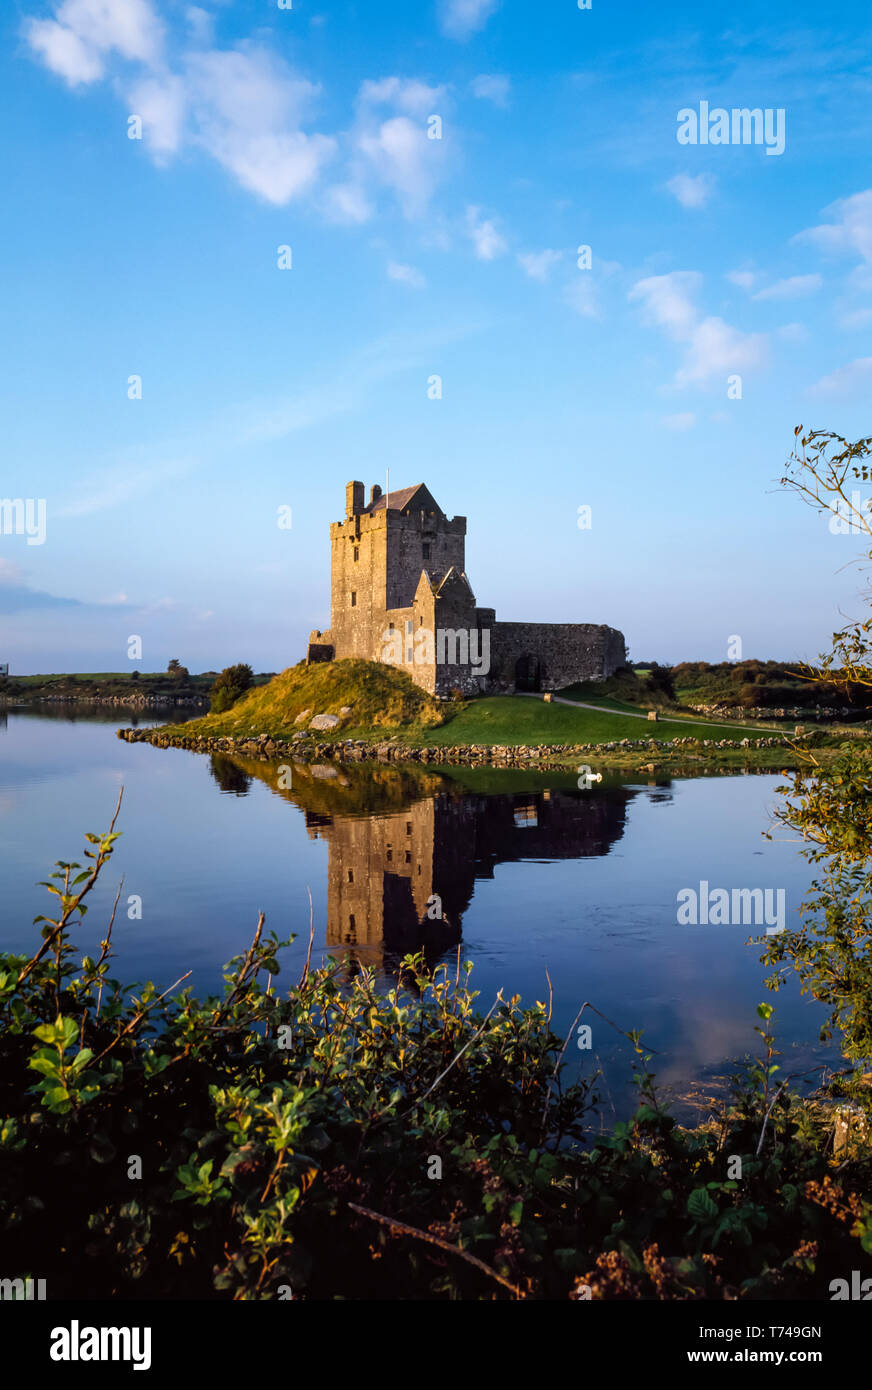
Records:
x=757, y=684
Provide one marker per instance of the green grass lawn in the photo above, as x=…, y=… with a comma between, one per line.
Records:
x=514, y=719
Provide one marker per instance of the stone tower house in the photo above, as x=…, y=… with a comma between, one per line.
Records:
x=399, y=593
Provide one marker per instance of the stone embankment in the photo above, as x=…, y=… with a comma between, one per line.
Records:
x=304, y=750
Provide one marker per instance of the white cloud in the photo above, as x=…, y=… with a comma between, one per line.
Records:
x=244, y=106
x=681, y=422
x=83, y=32
x=394, y=149
x=399, y=157
x=487, y=240
x=716, y=348
x=792, y=288
x=712, y=347
x=850, y=228
x=406, y=274
x=794, y=333
x=743, y=278
x=64, y=52
x=856, y=318
x=538, y=264
x=10, y=573
x=667, y=300
x=200, y=23
x=277, y=166
x=248, y=109
x=854, y=379
x=692, y=190
x=461, y=18
x=406, y=94
x=347, y=202
x=161, y=103
x=491, y=87
x=248, y=106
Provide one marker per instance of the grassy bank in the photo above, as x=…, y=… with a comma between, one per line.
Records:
x=519, y=719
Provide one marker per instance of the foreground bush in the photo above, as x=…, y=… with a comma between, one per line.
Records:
x=339, y=1143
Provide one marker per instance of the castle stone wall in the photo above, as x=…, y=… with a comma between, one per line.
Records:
x=564, y=652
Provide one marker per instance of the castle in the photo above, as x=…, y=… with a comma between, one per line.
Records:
x=399, y=593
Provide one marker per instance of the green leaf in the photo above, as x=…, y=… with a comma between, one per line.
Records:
x=700, y=1206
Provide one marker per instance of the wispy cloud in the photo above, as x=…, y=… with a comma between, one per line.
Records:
x=852, y=380
x=692, y=190
x=117, y=484
x=794, y=287
x=17, y=596
x=487, y=240
x=849, y=228
x=406, y=275
x=459, y=19
x=83, y=34
x=539, y=264
x=247, y=108
x=711, y=346
x=491, y=86
x=745, y=279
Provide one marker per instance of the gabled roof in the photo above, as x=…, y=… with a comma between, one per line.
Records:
x=417, y=498
x=453, y=578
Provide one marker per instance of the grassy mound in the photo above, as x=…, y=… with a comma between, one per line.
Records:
x=375, y=695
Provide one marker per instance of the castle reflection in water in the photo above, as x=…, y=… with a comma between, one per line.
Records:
x=405, y=850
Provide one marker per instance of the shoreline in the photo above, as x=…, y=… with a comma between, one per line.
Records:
x=21, y=701
x=646, y=755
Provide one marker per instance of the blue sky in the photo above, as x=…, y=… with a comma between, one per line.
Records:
x=412, y=257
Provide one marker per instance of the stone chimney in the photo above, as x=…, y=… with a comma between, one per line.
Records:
x=375, y=493
x=353, y=499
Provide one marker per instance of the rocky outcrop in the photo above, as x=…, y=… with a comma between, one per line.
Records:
x=323, y=722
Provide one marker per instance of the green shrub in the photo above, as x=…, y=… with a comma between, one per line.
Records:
x=229, y=685
x=336, y=1142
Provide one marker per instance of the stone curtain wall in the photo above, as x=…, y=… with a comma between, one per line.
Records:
x=566, y=652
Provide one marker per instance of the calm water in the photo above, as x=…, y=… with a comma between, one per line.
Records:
x=532, y=874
